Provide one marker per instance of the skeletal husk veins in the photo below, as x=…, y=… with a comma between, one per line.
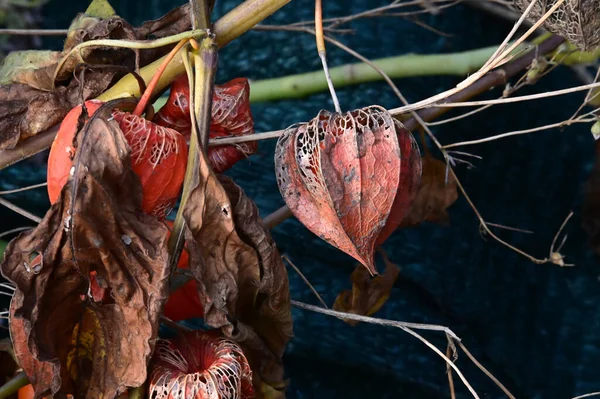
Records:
x=339, y=174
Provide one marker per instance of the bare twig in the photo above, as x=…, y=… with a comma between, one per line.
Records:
x=449, y=354
x=485, y=371
x=303, y=277
x=20, y=211
x=514, y=133
x=323, y=52
x=277, y=217
x=34, y=32
x=530, y=97
x=19, y=190
x=374, y=320
x=174, y=325
x=16, y=230
x=494, y=78
x=587, y=395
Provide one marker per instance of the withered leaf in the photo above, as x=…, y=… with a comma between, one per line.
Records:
x=434, y=196
x=241, y=279
x=339, y=176
x=34, y=68
x=25, y=111
x=368, y=293
x=96, y=226
x=37, y=97
x=37, y=371
x=175, y=21
x=86, y=28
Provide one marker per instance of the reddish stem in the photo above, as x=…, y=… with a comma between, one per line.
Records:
x=141, y=106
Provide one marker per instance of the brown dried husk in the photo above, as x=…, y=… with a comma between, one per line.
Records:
x=578, y=21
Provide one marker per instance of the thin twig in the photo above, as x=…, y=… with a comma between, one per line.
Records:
x=513, y=133
x=449, y=370
x=587, y=395
x=459, y=117
x=448, y=361
x=8, y=287
x=15, y=230
x=277, y=217
x=323, y=52
x=303, y=277
x=34, y=32
x=374, y=320
x=174, y=325
x=508, y=100
x=20, y=211
x=20, y=190
x=485, y=371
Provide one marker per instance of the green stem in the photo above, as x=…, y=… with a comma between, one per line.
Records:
x=304, y=84
x=13, y=386
x=200, y=14
x=205, y=65
x=232, y=25
x=3, y=245
x=137, y=393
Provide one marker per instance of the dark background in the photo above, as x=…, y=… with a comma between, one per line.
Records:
x=536, y=327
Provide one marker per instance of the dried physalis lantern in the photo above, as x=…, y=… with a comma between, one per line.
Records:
x=578, y=21
x=158, y=155
x=340, y=174
x=200, y=365
x=231, y=116
x=183, y=303
x=410, y=181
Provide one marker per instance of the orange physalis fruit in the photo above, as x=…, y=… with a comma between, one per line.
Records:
x=184, y=303
x=158, y=155
x=62, y=151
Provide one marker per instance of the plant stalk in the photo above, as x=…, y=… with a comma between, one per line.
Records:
x=232, y=25
x=200, y=14
x=12, y=387
x=202, y=82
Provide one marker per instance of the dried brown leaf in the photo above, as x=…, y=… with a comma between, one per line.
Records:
x=175, y=21
x=435, y=194
x=368, y=293
x=94, y=349
x=30, y=67
x=241, y=279
x=26, y=111
x=86, y=28
x=36, y=94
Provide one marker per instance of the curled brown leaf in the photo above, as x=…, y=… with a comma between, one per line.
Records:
x=368, y=294
x=241, y=279
x=40, y=87
x=436, y=193
x=93, y=348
